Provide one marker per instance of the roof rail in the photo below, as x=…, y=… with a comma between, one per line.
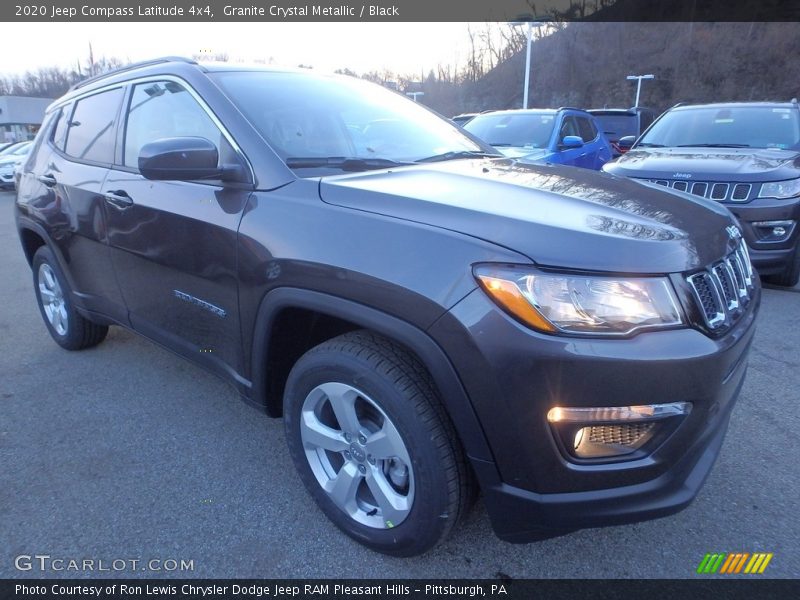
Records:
x=130, y=67
x=679, y=104
x=570, y=108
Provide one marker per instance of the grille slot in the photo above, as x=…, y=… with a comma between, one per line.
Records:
x=681, y=185
x=723, y=288
x=700, y=189
x=719, y=191
x=741, y=191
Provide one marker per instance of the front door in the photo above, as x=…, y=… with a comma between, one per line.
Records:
x=174, y=243
x=570, y=156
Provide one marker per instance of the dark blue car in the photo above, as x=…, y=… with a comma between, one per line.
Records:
x=566, y=136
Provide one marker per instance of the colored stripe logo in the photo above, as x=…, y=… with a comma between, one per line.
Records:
x=733, y=563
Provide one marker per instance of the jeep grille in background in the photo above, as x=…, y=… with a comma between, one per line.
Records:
x=723, y=289
x=734, y=192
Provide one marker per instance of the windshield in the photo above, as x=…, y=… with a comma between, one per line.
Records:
x=617, y=126
x=306, y=116
x=520, y=130
x=741, y=126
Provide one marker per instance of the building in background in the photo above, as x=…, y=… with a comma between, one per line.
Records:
x=21, y=117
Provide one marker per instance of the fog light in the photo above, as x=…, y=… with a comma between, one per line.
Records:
x=773, y=231
x=615, y=431
x=599, y=441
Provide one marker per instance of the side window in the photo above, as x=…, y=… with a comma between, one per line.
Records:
x=165, y=109
x=91, y=129
x=587, y=129
x=568, y=127
x=59, y=136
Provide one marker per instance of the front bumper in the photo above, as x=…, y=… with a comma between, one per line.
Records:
x=768, y=257
x=514, y=376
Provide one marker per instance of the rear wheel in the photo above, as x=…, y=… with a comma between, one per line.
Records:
x=373, y=444
x=68, y=328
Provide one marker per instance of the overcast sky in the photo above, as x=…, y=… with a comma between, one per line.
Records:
x=406, y=48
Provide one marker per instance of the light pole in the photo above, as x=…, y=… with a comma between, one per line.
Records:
x=531, y=24
x=415, y=94
x=639, y=78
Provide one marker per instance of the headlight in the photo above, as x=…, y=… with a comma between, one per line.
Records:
x=780, y=189
x=581, y=304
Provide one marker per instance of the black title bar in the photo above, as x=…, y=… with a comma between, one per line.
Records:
x=734, y=588
x=399, y=10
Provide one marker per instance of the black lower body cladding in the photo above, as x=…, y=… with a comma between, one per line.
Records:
x=771, y=230
x=515, y=376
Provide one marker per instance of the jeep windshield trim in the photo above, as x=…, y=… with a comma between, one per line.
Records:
x=726, y=127
x=315, y=121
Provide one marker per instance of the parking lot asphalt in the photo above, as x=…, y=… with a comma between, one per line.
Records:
x=126, y=451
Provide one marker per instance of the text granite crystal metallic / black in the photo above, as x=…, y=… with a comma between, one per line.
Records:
x=429, y=319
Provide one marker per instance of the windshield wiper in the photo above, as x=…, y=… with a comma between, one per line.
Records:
x=650, y=145
x=345, y=163
x=714, y=146
x=454, y=154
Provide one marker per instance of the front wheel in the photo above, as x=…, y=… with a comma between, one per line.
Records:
x=373, y=444
x=790, y=275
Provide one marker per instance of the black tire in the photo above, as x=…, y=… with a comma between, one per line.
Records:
x=77, y=332
x=394, y=380
x=790, y=275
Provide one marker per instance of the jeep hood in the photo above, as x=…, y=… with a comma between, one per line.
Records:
x=555, y=215
x=745, y=165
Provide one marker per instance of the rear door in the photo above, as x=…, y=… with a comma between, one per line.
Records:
x=69, y=176
x=174, y=243
x=597, y=150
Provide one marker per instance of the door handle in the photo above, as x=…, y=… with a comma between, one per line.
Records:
x=119, y=198
x=47, y=180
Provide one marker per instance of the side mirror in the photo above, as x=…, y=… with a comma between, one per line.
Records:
x=571, y=141
x=626, y=142
x=180, y=158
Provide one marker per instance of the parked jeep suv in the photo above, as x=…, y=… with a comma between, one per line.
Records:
x=428, y=320
x=744, y=155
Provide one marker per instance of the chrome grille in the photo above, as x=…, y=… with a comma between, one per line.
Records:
x=723, y=289
x=719, y=191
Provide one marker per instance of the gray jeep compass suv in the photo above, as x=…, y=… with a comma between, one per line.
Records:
x=746, y=156
x=429, y=320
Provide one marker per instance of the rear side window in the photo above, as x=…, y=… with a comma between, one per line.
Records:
x=91, y=129
x=59, y=137
x=44, y=131
x=165, y=109
x=587, y=129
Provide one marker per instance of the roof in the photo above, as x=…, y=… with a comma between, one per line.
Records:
x=523, y=111
x=776, y=104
